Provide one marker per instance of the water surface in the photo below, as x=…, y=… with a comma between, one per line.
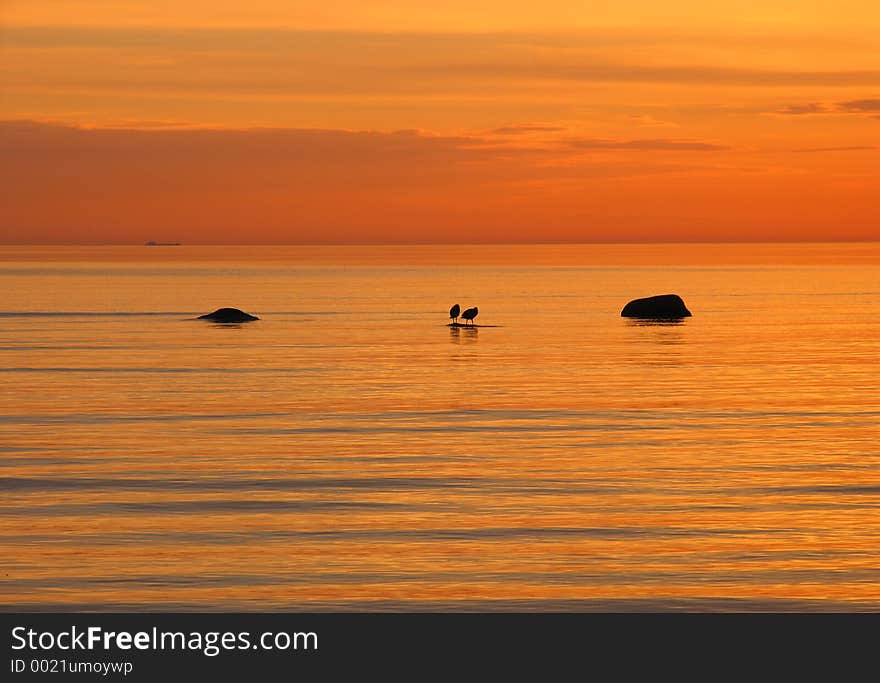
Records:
x=350, y=451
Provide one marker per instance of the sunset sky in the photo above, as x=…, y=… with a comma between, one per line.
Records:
x=278, y=121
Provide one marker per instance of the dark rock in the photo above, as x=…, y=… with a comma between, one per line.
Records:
x=668, y=306
x=228, y=315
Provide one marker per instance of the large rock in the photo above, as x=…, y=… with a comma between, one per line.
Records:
x=228, y=315
x=665, y=306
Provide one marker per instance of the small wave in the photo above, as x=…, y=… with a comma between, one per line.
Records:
x=604, y=605
x=187, y=371
x=202, y=507
x=596, y=577
x=112, y=419
x=91, y=314
x=142, y=314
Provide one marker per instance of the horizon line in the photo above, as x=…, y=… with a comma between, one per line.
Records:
x=437, y=244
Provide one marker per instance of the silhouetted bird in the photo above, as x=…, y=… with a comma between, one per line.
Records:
x=453, y=313
x=470, y=314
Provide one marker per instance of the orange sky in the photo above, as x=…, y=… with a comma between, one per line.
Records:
x=284, y=122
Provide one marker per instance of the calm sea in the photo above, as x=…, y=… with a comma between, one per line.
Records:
x=351, y=452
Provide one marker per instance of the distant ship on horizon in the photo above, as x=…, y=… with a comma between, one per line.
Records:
x=151, y=243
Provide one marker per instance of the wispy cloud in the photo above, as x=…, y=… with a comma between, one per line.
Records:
x=804, y=109
x=270, y=37
x=864, y=106
x=850, y=148
x=647, y=145
x=587, y=70
x=525, y=128
x=238, y=63
x=648, y=121
x=870, y=106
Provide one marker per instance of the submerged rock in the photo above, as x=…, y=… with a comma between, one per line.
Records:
x=664, y=306
x=228, y=315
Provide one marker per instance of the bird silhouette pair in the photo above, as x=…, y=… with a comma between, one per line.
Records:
x=469, y=314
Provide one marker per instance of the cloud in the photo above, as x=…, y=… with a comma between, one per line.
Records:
x=648, y=121
x=803, y=109
x=646, y=145
x=524, y=128
x=860, y=106
x=276, y=63
x=142, y=124
x=589, y=70
x=309, y=152
x=851, y=148
x=323, y=146
x=240, y=37
x=290, y=184
x=865, y=106
x=285, y=185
